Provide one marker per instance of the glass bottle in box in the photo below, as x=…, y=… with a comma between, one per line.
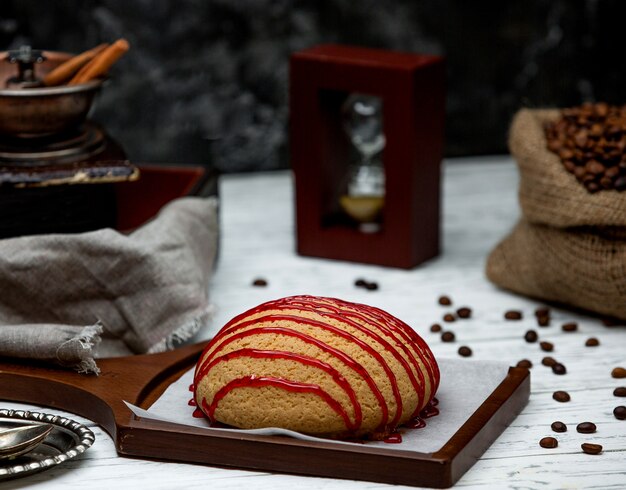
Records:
x=363, y=197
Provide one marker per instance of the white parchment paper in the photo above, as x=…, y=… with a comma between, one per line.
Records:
x=464, y=387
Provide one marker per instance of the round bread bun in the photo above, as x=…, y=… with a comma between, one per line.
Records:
x=316, y=365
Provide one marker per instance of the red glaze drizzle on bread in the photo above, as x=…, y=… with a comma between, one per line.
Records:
x=316, y=365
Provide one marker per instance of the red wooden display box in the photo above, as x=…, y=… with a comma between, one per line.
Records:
x=412, y=90
x=141, y=200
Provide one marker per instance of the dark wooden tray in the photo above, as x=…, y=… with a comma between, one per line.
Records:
x=142, y=379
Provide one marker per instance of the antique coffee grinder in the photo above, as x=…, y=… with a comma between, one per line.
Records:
x=56, y=166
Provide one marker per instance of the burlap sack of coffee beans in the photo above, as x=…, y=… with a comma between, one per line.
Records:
x=570, y=245
x=548, y=193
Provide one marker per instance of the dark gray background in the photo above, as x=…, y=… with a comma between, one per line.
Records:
x=206, y=81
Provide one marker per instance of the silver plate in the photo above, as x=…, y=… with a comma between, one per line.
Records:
x=67, y=440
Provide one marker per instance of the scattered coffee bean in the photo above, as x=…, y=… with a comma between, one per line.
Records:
x=543, y=316
x=449, y=317
x=464, y=312
x=589, y=448
x=558, y=368
x=465, y=351
x=569, y=327
x=548, y=442
x=592, y=342
x=586, y=428
x=513, y=315
x=546, y=346
x=362, y=283
x=435, y=327
x=531, y=336
x=619, y=372
x=448, y=337
x=559, y=427
x=259, y=282
x=621, y=391
x=612, y=322
x=620, y=412
x=543, y=321
x=561, y=396
x=548, y=361
x=525, y=363
x=445, y=300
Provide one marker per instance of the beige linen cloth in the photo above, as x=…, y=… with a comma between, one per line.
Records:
x=69, y=298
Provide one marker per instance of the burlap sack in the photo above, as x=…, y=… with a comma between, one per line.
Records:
x=570, y=245
x=585, y=268
x=548, y=193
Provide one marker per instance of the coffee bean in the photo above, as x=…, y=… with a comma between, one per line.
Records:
x=581, y=138
x=525, y=363
x=619, y=372
x=543, y=321
x=579, y=173
x=559, y=427
x=606, y=183
x=513, y=315
x=548, y=361
x=464, y=312
x=465, y=351
x=546, y=346
x=601, y=108
x=596, y=130
x=594, y=167
x=591, y=186
x=592, y=342
x=620, y=412
x=569, y=327
x=612, y=172
x=435, y=327
x=610, y=321
x=543, y=311
x=586, y=139
x=363, y=283
x=620, y=183
x=586, y=428
x=559, y=368
x=449, y=317
x=621, y=391
x=548, y=442
x=445, y=300
x=561, y=396
x=259, y=282
x=555, y=146
x=531, y=336
x=448, y=337
x=591, y=448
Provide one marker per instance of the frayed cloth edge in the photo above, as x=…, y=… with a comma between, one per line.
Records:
x=88, y=338
x=184, y=332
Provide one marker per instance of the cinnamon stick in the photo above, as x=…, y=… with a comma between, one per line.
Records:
x=68, y=69
x=101, y=63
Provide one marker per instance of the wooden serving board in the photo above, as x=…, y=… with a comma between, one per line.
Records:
x=142, y=379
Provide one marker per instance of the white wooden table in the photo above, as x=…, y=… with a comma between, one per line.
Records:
x=480, y=206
